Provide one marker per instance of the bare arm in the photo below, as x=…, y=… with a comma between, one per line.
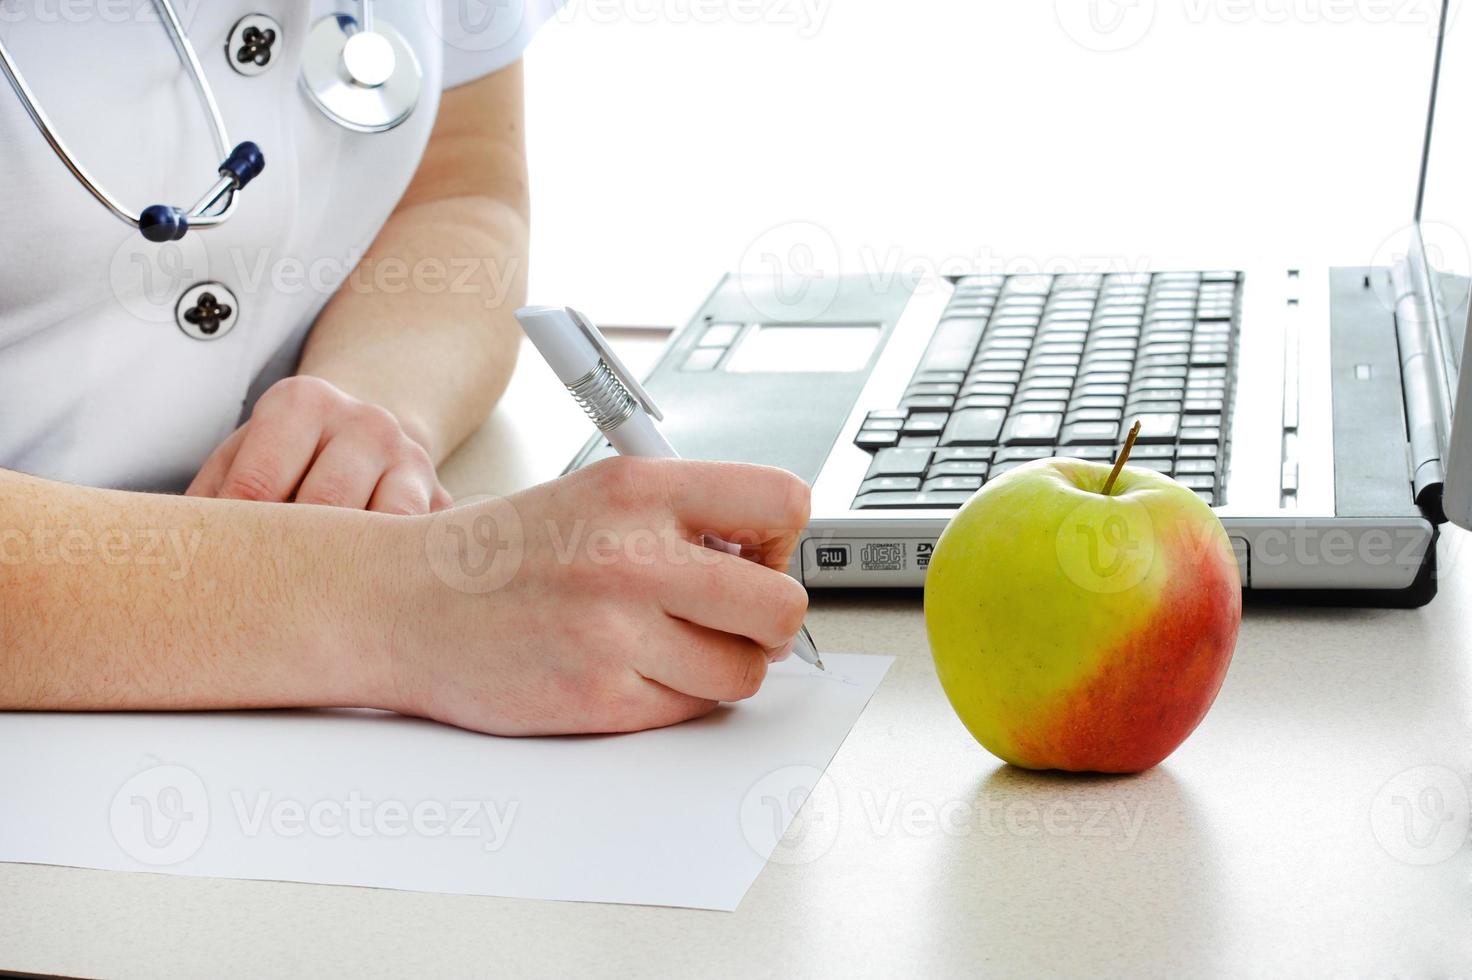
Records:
x=124, y=600
x=411, y=353
x=436, y=347
x=112, y=600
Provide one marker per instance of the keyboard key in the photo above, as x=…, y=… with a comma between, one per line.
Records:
x=913, y=441
x=933, y=388
x=962, y=453
x=1001, y=468
x=952, y=344
x=876, y=438
x=984, y=401
x=925, y=423
x=1103, y=454
x=1158, y=427
x=1033, y=428
x=1203, y=434
x=1196, y=466
x=1158, y=465
x=1008, y=454
x=974, y=427
x=928, y=401
x=959, y=467
x=1207, y=496
x=1092, y=415
x=895, y=500
x=1152, y=452
x=1086, y=433
x=890, y=483
x=1201, y=451
x=899, y=462
x=895, y=422
x=953, y=483
x=1036, y=404
x=1197, y=481
x=939, y=377
x=988, y=388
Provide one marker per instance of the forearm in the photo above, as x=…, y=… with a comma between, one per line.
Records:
x=112, y=600
x=425, y=327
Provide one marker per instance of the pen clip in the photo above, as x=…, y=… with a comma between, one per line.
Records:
x=605, y=352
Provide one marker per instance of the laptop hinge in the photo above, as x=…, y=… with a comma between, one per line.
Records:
x=1428, y=397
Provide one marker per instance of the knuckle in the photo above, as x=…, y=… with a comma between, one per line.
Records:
x=329, y=491
x=254, y=482
x=795, y=501
x=790, y=606
x=625, y=482
x=749, y=678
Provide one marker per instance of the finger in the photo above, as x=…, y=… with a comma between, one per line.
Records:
x=402, y=490
x=733, y=595
x=344, y=474
x=706, y=663
x=760, y=508
x=440, y=498
x=206, y=482
x=658, y=707
x=274, y=455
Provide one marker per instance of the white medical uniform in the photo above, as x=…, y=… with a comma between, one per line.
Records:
x=99, y=385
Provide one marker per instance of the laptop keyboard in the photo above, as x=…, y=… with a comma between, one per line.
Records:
x=1025, y=367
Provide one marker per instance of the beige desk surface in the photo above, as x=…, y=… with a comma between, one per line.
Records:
x=1285, y=837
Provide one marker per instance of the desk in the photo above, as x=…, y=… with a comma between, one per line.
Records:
x=1282, y=838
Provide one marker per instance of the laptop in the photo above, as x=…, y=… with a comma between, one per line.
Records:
x=1322, y=413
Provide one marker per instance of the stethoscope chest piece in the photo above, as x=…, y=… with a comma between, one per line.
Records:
x=365, y=80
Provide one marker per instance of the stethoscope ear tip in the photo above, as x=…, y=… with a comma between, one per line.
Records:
x=161, y=223
x=244, y=163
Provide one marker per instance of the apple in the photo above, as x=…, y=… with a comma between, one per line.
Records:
x=1081, y=622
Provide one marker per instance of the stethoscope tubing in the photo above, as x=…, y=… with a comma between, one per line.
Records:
x=200, y=216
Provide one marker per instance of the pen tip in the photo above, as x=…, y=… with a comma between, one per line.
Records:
x=819, y=664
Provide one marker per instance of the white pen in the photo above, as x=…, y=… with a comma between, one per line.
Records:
x=618, y=405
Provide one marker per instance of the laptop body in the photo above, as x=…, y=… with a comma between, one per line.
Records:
x=1316, y=410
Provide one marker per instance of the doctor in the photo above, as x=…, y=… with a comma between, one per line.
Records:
x=295, y=346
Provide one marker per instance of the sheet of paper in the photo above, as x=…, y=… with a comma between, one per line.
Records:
x=685, y=816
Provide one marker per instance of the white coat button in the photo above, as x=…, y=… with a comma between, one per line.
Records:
x=207, y=311
x=254, y=42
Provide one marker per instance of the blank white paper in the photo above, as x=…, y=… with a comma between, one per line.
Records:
x=682, y=816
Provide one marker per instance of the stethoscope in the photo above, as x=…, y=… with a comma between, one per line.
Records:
x=361, y=75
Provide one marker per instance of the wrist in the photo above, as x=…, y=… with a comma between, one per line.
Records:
x=375, y=616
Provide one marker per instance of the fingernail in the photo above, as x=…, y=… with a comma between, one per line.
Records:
x=781, y=653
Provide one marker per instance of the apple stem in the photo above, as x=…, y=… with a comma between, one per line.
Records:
x=1124, y=455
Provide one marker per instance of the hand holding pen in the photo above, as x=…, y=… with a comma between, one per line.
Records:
x=615, y=402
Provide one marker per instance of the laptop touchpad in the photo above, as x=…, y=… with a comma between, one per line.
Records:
x=806, y=347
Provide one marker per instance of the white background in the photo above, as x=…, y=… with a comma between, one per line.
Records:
x=668, y=137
